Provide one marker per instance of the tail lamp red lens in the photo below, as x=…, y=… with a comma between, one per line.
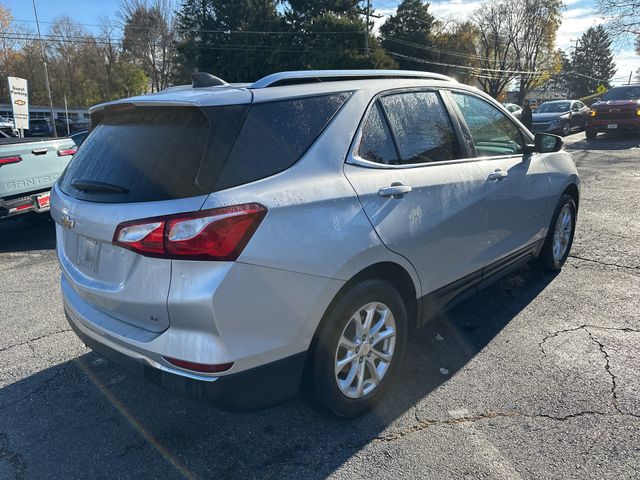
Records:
x=66, y=151
x=217, y=234
x=199, y=367
x=8, y=160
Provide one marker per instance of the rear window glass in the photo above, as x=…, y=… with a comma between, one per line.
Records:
x=147, y=154
x=275, y=135
x=151, y=153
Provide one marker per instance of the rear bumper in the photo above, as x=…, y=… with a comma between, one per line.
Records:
x=251, y=389
x=22, y=204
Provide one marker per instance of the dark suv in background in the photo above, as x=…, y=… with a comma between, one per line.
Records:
x=617, y=111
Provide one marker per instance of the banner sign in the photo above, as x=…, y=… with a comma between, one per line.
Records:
x=19, y=102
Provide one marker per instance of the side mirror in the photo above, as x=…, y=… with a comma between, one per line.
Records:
x=547, y=143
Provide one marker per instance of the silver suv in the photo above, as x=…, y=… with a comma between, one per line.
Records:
x=231, y=241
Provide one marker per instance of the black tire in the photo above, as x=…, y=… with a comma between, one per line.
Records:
x=590, y=134
x=566, y=129
x=546, y=259
x=323, y=355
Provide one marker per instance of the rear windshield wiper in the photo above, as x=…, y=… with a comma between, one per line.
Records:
x=90, y=186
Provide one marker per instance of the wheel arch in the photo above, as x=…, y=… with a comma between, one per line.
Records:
x=389, y=271
x=396, y=275
x=572, y=189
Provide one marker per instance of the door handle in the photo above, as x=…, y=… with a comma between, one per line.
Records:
x=498, y=175
x=395, y=190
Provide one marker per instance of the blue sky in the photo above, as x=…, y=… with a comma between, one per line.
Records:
x=579, y=15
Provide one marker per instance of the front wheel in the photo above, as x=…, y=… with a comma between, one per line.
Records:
x=557, y=245
x=359, y=348
x=566, y=129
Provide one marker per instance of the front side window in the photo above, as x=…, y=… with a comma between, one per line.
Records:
x=492, y=132
x=421, y=127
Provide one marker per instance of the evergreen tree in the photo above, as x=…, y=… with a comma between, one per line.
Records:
x=411, y=24
x=592, y=64
x=238, y=40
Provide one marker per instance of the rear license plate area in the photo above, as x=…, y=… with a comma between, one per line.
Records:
x=612, y=126
x=88, y=253
x=43, y=200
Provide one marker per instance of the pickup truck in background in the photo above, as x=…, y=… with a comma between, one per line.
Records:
x=28, y=169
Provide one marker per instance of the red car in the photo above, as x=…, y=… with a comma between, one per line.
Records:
x=617, y=111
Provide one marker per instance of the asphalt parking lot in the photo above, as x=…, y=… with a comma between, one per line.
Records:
x=536, y=377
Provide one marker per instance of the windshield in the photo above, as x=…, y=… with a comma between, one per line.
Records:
x=553, y=107
x=622, y=93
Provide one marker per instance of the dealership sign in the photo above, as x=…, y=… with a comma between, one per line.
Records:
x=19, y=102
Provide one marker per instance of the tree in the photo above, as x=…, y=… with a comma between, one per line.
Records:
x=623, y=16
x=407, y=35
x=236, y=40
x=242, y=40
x=537, y=23
x=516, y=40
x=149, y=38
x=456, y=44
x=496, y=22
x=592, y=64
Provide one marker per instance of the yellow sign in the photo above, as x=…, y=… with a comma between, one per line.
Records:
x=601, y=89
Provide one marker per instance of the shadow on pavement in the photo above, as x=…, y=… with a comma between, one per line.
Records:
x=23, y=236
x=606, y=141
x=87, y=418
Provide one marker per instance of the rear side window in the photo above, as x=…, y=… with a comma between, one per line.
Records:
x=275, y=135
x=376, y=144
x=421, y=127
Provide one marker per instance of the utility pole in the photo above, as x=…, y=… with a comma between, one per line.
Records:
x=46, y=70
x=630, y=73
x=366, y=30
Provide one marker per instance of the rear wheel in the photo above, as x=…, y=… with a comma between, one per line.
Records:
x=359, y=348
x=590, y=134
x=559, y=239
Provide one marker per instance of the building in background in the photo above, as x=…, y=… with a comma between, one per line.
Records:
x=76, y=114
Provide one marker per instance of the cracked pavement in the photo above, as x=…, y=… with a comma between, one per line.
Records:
x=542, y=382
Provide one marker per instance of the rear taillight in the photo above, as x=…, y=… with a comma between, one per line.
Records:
x=67, y=151
x=199, y=367
x=8, y=160
x=218, y=234
x=592, y=113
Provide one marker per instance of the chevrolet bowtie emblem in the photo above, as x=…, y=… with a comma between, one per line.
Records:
x=67, y=222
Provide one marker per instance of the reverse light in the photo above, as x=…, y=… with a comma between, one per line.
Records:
x=199, y=367
x=216, y=234
x=66, y=151
x=592, y=113
x=8, y=160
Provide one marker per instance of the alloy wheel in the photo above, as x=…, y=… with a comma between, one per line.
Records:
x=562, y=233
x=365, y=350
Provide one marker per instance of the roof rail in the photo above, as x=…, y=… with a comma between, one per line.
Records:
x=312, y=76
